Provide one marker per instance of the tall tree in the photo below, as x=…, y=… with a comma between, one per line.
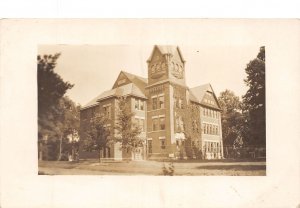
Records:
x=127, y=132
x=232, y=119
x=98, y=135
x=51, y=89
x=254, y=99
x=67, y=124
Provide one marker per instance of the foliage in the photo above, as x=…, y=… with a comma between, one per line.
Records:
x=127, y=133
x=98, y=135
x=58, y=116
x=192, y=128
x=51, y=86
x=232, y=118
x=254, y=100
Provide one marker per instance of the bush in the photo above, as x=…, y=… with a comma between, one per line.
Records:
x=169, y=170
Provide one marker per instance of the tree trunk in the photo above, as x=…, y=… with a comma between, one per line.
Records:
x=99, y=155
x=60, y=148
x=41, y=151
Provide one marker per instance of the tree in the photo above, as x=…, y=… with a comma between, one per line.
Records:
x=51, y=89
x=254, y=100
x=127, y=133
x=98, y=135
x=232, y=118
x=67, y=126
x=192, y=129
x=51, y=86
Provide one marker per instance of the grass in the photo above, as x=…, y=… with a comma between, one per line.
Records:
x=93, y=167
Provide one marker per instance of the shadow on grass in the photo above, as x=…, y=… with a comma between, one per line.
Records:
x=216, y=160
x=233, y=167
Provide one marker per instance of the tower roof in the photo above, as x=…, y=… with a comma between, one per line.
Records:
x=166, y=49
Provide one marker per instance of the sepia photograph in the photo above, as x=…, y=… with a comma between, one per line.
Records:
x=149, y=113
x=130, y=110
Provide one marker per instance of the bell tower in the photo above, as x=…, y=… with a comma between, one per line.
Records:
x=166, y=64
x=166, y=84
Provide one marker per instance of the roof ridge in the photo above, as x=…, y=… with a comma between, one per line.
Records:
x=138, y=76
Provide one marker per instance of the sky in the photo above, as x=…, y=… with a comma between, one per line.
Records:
x=94, y=68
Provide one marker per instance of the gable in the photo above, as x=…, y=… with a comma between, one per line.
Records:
x=121, y=80
x=209, y=99
x=205, y=96
x=156, y=55
x=166, y=49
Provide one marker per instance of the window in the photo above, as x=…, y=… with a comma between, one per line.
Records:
x=154, y=124
x=163, y=143
x=107, y=111
x=140, y=123
x=162, y=123
x=136, y=104
x=180, y=103
x=149, y=146
x=141, y=105
x=154, y=103
x=161, y=100
x=179, y=124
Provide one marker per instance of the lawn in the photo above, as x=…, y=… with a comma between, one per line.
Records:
x=189, y=168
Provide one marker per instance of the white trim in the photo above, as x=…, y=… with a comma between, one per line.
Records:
x=161, y=116
x=149, y=139
x=154, y=117
x=215, y=124
x=154, y=131
x=140, y=117
x=158, y=95
x=162, y=137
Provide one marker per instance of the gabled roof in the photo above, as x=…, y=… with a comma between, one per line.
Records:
x=140, y=82
x=166, y=49
x=92, y=103
x=133, y=77
x=129, y=89
x=197, y=94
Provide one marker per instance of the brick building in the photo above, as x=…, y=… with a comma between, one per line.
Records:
x=161, y=104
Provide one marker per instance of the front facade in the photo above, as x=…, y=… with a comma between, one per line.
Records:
x=176, y=121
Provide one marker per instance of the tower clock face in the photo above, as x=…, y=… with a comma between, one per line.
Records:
x=177, y=70
x=158, y=69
